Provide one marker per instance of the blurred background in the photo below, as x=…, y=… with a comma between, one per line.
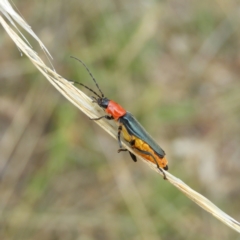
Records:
x=175, y=66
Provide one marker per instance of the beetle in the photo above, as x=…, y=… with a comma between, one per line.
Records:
x=133, y=132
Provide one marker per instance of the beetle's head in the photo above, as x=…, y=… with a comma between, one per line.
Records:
x=99, y=98
x=101, y=101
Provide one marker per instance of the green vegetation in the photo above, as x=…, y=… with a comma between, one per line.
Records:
x=175, y=66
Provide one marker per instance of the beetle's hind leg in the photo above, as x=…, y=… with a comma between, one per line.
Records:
x=150, y=154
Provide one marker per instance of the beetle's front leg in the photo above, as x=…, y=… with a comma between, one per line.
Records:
x=106, y=116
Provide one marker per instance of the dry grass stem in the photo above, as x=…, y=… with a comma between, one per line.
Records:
x=85, y=104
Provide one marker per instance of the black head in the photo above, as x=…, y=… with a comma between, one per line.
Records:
x=102, y=102
x=100, y=99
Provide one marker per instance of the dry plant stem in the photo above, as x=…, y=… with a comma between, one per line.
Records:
x=85, y=104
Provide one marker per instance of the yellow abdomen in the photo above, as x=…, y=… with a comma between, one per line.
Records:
x=138, y=144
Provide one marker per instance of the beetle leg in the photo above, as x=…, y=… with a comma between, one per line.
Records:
x=120, y=144
x=122, y=150
x=106, y=116
x=119, y=136
x=149, y=154
x=134, y=158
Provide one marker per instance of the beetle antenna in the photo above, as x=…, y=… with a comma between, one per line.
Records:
x=90, y=75
x=86, y=88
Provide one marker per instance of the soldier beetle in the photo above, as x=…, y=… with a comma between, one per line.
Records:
x=133, y=132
